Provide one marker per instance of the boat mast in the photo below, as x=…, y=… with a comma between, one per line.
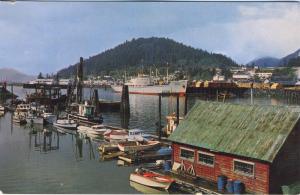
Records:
x=167, y=72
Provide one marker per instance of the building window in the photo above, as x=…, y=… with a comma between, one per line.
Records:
x=206, y=159
x=246, y=168
x=187, y=154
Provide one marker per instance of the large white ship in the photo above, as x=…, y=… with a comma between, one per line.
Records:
x=143, y=84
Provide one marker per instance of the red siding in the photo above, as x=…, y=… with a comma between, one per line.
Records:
x=259, y=183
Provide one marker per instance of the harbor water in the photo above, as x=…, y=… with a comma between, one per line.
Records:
x=32, y=162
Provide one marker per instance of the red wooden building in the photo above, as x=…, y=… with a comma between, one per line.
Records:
x=258, y=145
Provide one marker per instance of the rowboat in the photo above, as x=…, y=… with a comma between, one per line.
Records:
x=132, y=146
x=117, y=135
x=66, y=124
x=94, y=130
x=151, y=179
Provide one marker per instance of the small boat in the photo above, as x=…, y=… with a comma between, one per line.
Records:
x=117, y=135
x=49, y=117
x=66, y=124
x=94, y=130
x=133, y=146
x=151, y=179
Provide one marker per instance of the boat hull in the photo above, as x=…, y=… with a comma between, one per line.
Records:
x=133, y=148
x=70, y=126
x=149, y=182
x=35, y=120
x=82, y=119
x=176, y=87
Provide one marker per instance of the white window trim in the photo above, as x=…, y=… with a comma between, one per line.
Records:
x=192, y=160
x=242, y=173
x=208, y=154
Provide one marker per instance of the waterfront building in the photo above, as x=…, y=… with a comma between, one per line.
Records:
x=257, y=145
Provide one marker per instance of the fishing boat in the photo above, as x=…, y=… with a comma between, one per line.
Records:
x=66, y=124
x=133, y=146
x=2, y=108
x=143, y=84
x=19, y=118
x=151, y=179
x=84, y=113
x=33, y=118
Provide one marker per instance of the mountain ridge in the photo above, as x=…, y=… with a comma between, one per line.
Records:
x=149, y=52
x=268, y=61
x=12, y=75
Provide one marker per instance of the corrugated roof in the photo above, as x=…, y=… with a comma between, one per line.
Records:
x=253, y=131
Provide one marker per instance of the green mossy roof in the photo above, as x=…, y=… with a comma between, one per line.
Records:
x=253, y=131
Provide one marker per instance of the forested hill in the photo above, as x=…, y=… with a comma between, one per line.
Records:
x=149, y=52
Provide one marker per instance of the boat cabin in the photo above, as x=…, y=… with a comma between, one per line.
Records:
x=85, y=110
x=23, y=107
x=258, y=146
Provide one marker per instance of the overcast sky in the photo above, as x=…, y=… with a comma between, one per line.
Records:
x=45, y=37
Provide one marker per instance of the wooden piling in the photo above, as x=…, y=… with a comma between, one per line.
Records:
x=177, y=110
x=185, y=104
x=125, y=107
x=79, y=81
x=159, y=117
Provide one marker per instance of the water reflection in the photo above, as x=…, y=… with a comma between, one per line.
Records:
x=44, y=138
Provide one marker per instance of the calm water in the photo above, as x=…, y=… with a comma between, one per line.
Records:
x=33, y=163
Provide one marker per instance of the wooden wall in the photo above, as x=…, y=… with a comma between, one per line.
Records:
x=259, y=183
x=285, y=169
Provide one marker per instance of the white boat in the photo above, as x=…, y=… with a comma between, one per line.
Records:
x=49, y=117
x=123, y=135
x=33, y=118
x=66, y=124
x=143, y=85
x=133, y=146
x=19, y=117
x=2, y=108
x=95, y=129
x=151, y=179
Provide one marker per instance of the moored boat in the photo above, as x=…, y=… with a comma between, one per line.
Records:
x=33, y=118
x=94, y=129
x=49, y=117
x=19, y=118
x=151, y=179
x=133, y=146
x=84, y=113
x=66, y=124
x=143, y=84
x=117, y=135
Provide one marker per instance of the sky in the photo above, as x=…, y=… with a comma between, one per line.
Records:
x=46, y=37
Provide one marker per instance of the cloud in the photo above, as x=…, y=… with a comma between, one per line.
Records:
x=46, y=37
x=259, y=30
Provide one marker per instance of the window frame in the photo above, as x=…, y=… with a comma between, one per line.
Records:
x=243, y=173
x=207, y=154
x=184, y=158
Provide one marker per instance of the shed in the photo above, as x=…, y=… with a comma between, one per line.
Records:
x=252, y=143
